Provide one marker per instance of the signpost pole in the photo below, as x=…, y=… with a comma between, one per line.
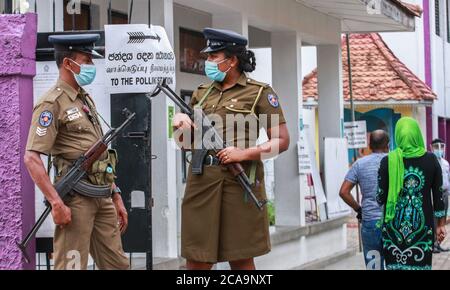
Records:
x=352, y=105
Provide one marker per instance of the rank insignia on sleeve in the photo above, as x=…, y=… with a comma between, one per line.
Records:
x=273, y=100
x=46, y=119
x=41, y=132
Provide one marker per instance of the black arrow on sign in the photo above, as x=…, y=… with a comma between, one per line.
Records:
x=140, y=37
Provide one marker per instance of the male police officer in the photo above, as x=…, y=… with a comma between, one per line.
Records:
x=65, y=124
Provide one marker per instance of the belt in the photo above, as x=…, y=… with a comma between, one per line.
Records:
x=87, y=189
x=211, y=160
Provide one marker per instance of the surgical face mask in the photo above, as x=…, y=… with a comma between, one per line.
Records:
x=439, y=150
x=213, y=72
x=87, y=74
x=439, y=153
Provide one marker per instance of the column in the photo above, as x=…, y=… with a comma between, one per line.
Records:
x=18, y=42
x=164, y=170
x=286, y=61
x=331, y=101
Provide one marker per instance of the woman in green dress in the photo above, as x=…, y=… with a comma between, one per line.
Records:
x=410, y=188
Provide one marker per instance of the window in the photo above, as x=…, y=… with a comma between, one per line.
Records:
x=191, y=43
x=437, y=17
x=89, y=17
x=6, y=6
x=81, y=21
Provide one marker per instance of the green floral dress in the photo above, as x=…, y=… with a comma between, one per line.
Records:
x=408, y=239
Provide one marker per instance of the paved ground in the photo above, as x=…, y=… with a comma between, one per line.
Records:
x=440, y=261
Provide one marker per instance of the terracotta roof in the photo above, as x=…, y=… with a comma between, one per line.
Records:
x=416, y=10
x=378, y=75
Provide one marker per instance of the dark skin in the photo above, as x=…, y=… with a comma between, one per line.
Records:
x=347, y=197
x=61, y=214
x=347, y=186
x=278, y=142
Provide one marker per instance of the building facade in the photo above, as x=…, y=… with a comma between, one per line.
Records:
x=283, y=27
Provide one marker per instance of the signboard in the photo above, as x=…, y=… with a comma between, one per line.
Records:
x=137, y=58
x=356, y=134
x=335, y=169
x=304, y=161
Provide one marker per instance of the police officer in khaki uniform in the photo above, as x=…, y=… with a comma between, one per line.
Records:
x=219, y=223
x=65, y=124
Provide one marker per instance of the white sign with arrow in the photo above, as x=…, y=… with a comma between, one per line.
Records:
x=137, y=58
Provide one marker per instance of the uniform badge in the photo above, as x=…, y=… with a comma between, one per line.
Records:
x=72, y=111
x=73, y=114
x=41, y=132
x=273, y=100
x=46, y=119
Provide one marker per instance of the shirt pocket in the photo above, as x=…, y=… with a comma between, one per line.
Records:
x=239, y=107
x=78, y=126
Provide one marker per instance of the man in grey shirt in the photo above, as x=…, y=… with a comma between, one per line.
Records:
x=365, y=173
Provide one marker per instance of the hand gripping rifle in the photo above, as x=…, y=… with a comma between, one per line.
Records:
x=215, y=143
x=76, y=174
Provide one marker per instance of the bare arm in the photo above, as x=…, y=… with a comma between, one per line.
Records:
x=61, y=213
x=346, y=195
x=279, y=141
x=39, y=175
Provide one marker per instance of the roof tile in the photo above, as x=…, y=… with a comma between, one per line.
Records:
x=377, y=74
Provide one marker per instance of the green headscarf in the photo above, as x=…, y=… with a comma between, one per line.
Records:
x=410, y=144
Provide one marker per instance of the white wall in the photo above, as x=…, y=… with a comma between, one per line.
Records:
x=440, y=49
x=309, y=60
x=195, y=20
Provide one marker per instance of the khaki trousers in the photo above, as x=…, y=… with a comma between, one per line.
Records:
x=94, y=230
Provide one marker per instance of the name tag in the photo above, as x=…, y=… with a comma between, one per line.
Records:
x=72, y=111
x=74, y=116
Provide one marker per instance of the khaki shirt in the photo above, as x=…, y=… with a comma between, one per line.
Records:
x=248, y=98
x=64, y=123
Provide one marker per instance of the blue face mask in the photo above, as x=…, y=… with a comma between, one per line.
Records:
x=87, y=74
x=213, y=72
x=439, y=154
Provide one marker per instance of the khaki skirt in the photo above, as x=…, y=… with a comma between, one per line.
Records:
x=219, y=223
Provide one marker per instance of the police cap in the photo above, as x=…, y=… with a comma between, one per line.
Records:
x=84, y=43
x=219, y=39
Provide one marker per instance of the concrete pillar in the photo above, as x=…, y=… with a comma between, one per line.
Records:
x=435, y=123
x=164, y=171
x=443, y=129
x=231, y=21
x=18, y=42
x=331, y=101
x=286, y=62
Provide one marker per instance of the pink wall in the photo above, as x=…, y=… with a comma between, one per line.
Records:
x=18, y=36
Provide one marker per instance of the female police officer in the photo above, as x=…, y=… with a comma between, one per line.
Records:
x=219, y=224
